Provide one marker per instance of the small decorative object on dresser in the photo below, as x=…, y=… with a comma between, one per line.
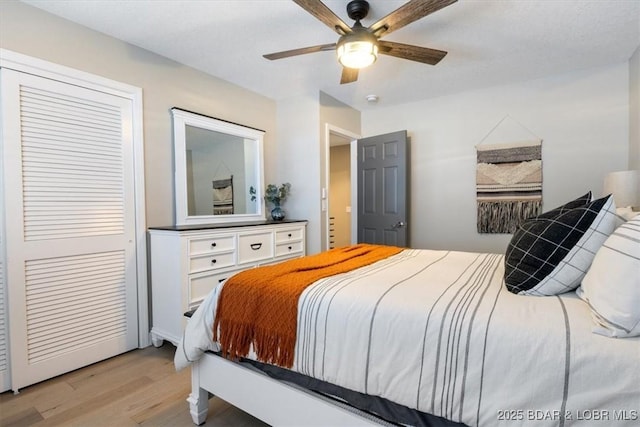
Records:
x=276, y=196
x=188, y=261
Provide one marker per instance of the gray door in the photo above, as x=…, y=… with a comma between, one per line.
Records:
x=382, y=189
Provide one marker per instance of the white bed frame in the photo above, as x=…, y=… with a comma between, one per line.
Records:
x=272, y=401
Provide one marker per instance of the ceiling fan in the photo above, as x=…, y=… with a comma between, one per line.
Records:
x=358, y=46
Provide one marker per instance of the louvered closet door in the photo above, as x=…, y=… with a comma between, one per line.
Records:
x=68, y=160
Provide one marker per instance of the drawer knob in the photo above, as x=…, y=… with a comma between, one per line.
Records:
x=256, y=246
x=222, y=280
x=289, y=234
x=290, y=247
x=213, y=261
x=214, y=244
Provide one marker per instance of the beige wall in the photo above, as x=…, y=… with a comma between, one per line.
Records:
x=340, y=184
x=300, y=155
x=578, y=115
x=582, y=118
x=164, y=84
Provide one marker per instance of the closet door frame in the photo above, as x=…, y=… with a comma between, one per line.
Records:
x=27, y=64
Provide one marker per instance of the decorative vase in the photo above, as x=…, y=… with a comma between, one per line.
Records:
x=277, y=213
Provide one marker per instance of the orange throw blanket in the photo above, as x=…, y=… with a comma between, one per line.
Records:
x=259, y=306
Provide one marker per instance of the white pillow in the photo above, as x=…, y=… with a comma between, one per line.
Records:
x=611, y=287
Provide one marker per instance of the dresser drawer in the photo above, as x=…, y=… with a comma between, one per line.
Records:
x=289, y=235
x=292, y=248
x=211, y=261
x=183, y=271
x=255, y=246
x=201, y=284
x=211, y=244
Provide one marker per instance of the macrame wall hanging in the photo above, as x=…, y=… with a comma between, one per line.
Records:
x=508, y=181
x=223, y=192
x=223, y=196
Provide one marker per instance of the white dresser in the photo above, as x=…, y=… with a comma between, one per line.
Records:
x=188, y=261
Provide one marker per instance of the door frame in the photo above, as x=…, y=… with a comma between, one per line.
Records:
x=27, y=64
x=325, y=192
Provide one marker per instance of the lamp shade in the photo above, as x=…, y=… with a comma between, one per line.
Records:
x=625, y=187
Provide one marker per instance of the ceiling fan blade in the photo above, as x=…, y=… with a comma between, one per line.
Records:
x=300, y=51
x=410, y=52
x=324, y=14
x=349, y=75
x=406, y=14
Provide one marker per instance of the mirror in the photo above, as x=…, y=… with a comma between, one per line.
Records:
x=218, y=170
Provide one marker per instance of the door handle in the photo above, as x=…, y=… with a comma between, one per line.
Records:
x=399, y=224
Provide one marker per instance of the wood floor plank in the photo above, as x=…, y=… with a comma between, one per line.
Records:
x=23, y=418
x=46, y=394
x=165, y=394
x=139, y=388
x=109, y=386
x=113, y=364
x=136, y=363
x=118, y=394
x=176, y=414
x=95, y=379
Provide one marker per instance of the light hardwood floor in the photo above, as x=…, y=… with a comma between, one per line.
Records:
x=139, y=388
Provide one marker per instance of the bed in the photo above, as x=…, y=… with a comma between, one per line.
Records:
x=442, y=338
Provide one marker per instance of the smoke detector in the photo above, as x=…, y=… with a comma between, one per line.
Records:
x=372, y=99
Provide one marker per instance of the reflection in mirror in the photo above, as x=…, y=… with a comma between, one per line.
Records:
x=219, y=173
x=218, y=170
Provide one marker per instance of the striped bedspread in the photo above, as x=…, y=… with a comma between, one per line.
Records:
x=439, y=332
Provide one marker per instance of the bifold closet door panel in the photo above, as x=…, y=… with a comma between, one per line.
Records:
x=70, y=225
x=5, y=374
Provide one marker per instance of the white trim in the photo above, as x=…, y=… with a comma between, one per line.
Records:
x=5, y=375
x=354, y=191
x=274, y=402
x=329, y=129
x=181, y=119
x=144, y=335
x=27, y=64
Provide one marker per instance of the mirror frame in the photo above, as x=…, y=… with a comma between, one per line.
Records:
x=182, y=119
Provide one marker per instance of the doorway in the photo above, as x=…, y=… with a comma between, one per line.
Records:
x=339, y=191
x=383, y=218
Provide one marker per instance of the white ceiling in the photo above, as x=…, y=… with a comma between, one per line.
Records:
x=490, y=42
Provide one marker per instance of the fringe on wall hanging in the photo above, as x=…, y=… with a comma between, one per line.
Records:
x=508, y=184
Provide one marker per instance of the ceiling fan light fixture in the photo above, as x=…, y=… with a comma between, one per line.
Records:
x=358, y=49
x=357, y=54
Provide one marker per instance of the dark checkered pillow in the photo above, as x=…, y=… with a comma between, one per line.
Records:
x=550, y=254
x=580, y=201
